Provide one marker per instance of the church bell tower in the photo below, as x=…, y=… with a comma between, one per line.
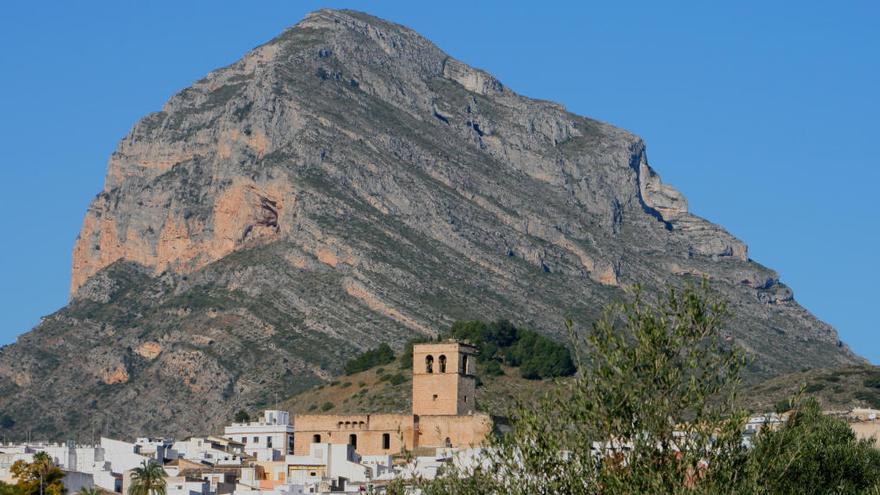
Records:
x=444, y=381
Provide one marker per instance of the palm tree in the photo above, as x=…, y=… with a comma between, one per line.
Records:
x=148, y=479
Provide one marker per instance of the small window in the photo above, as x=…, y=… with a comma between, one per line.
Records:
x=442, y=362
x=353, y=440
x=256, y=439
x=464, y=364
x=429, y=364
x=316, y=438
x=386, y=441
x=243, y=439
x=269, y=442
x=447, y=442
x=435, y=397
x=313, y=474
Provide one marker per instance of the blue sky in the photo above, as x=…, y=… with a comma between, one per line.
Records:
x=765, y=117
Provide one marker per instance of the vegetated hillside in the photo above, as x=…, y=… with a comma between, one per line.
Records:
x=835, y=389
x=346, y=184
x=512, y=364
x=388, y=389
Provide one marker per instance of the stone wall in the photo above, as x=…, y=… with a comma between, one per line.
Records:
x=368, y=429
x=461, y=431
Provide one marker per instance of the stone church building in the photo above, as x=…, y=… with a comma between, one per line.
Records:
x=443, y=410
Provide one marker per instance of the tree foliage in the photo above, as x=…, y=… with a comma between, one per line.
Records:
x=537, y=356
x=814, y=454
x=242, y=416
x=42, y=472
x=6, y=421
x=7, y=489
x=148, y=479
x=651, y=410
x=373, y=357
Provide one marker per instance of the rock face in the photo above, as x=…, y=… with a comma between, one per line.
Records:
x=345, y=184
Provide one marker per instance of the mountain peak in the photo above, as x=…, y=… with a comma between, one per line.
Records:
x=345, y=184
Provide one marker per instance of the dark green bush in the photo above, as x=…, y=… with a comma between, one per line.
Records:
x=373, y=357
x=492, y=368
x=327, y=406
x=397, y=379
x=6, y=421
x=814, y=387
x=489, y=338
x=872, y=381
x=538, y=357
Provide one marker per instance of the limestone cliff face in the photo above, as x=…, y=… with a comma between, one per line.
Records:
x=216, y=169
x=345, y=184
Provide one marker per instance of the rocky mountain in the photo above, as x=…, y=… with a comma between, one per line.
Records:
x=346, y=184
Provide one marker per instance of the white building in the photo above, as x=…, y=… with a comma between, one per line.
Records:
x=75, y=481
x=327, y=461
x=124, y=456
x=378, y=464
x=212, y=450
x=87, y=460
x=426, y=467
x=8, y=457
x=181, y=485
x=249, y=484
x=157, y=448
x=756, y=423
x=268, y=439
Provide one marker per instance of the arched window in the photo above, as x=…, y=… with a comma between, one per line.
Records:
x=386, y=441
x=429, y=364
x=316, y=438
x=464, y=364
x=340, y=425
x=442, y=361
x=448, y=443
x=353, y=440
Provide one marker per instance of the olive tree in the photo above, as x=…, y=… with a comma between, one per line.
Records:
x=649, y=411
